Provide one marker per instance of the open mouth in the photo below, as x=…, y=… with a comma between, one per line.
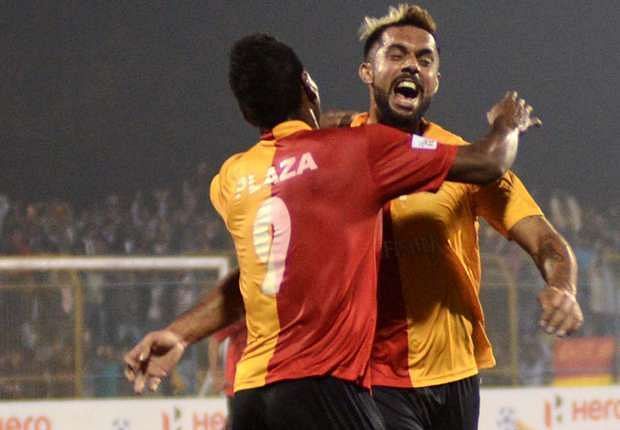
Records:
x=406, y=93
x=407, y=89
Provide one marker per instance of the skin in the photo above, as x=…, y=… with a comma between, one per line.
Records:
x=154, y=357
x=405, y=52
x=158, y=352
x=408, y=51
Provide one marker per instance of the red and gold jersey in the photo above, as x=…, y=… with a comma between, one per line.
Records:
x=303, y=208
x=236, y=334
x=431, y=326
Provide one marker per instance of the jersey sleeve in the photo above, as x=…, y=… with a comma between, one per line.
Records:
x=222, y=190
x=504, y=203
x=401, y=163
x=217, y=196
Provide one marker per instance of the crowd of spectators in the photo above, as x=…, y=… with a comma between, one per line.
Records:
x=119, y=308
x=594, y=235
x=160, y=222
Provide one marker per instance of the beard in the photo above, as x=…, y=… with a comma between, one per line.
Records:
x=387, y=116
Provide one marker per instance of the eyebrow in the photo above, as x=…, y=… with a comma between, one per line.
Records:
x=422, y=51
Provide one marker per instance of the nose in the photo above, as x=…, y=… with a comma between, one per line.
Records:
x=410, y=65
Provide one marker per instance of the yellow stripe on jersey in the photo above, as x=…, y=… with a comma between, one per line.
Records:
x=238, y=195
x=436, y=237
x=447, y=338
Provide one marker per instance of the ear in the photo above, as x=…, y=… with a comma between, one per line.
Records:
x=310, y=87
x=365, y=73
x=437, y=80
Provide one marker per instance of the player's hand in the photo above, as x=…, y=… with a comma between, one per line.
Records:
x=561, y=313
x=513, y=112
x=152, y=359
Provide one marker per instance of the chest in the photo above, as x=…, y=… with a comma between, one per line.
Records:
x=434, y=213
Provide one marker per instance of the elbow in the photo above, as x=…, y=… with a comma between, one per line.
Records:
x=493, y=170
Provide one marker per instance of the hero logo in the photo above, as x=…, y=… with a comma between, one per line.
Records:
x=581, y=412
x=199, y=420
x=28, y=423
x=287, y=168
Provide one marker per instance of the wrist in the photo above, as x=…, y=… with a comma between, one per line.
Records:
x=503, y=125
x=568, y=288
x=181, y=340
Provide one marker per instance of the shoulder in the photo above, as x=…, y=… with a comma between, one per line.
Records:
x=437, y=132
x=369, y=133
x=381, y=133
x=231, y=164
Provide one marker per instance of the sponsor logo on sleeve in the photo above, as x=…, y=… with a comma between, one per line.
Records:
x=419, y=142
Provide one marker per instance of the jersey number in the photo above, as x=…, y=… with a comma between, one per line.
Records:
x=272, y=234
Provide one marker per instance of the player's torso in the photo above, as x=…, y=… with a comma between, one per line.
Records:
x=305, y=230
x=431, y=261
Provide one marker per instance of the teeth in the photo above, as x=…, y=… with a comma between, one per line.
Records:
x=408, y=84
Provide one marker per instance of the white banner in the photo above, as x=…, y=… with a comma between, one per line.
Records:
x=127, y=414
x=596, y=408
x=501, y=409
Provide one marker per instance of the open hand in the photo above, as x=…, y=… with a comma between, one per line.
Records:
x=513, y=112
x=152, y=359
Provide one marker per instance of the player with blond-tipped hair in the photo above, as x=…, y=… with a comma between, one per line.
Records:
x=302, y=206
x=431, y=340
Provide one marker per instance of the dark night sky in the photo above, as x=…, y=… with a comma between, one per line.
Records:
x=98, y=97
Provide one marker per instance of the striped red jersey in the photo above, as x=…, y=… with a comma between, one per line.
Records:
x=303, y=208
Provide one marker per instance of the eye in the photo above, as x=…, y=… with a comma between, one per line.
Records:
x=425, y=61
x=395, y=56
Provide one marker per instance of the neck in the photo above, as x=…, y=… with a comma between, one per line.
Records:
x=418, y=126
x=307, y=115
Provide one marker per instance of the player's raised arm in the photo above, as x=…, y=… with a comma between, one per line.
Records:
x=401, y=163
x=490, y=157
x=158, y=352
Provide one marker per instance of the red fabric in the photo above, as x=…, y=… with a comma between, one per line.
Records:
x=327, y=301
x=390, y=362
x=236, y=334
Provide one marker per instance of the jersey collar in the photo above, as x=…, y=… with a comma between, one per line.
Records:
x=285, y=129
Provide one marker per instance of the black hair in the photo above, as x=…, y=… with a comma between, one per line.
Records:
x=265, y=76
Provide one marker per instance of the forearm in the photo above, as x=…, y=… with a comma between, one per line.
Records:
x=220, y=307
x=487, y=159
x=213, y=355
x=551, y=253
x=557, y=263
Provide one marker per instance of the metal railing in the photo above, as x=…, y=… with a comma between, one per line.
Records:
x=65, y=322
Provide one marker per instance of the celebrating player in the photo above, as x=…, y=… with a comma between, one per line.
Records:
x=303, y=208
x=430, y=339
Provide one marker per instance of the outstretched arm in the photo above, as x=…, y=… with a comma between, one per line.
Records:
x=561, y=313
x=490, y=157
x=220, y=307
x=158, y=352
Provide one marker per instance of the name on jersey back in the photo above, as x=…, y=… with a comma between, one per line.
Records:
x=286, y=169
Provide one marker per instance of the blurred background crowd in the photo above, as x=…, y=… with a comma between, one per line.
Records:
x=163, y=221
x=39, y=353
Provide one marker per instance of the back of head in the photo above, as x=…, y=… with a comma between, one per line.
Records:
x=401, y=15
x=265, y=76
